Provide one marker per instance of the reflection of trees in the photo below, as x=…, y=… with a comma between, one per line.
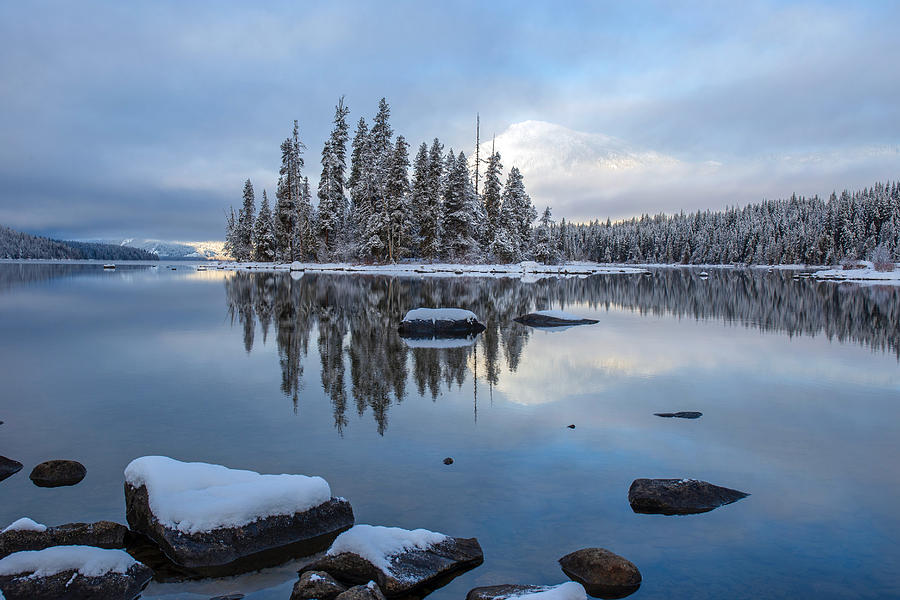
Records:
x=356, y=318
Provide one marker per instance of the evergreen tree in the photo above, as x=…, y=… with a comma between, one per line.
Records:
x=459, y=201
x=544, y=244
x=521, y=213
x=419, y=199
x=332, y=213
x=430, y=223
x=231, y=240
x=243, y=243
x=264, y=233
x=288, y=210
x=399, y=210
x=492, y=199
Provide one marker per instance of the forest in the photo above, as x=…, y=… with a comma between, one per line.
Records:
x=17, y=245
x=384, y=208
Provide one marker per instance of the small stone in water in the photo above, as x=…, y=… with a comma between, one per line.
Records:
x=448, y=461
x=572, y=426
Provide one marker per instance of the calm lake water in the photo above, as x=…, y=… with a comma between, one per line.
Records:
x=798, y=382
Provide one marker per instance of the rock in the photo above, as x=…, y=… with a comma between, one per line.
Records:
x=563, y=591
x=237, y=544
x=102, y=534
x=552, y=318
x=685, y=414
x=370, y=591
x=602, y=573
x=448, y=461
x=572, y=426
x=59, y=574
x=8, y=467
x=228, y=596
x=56, y=473
x=400, y=573
x=442, y=322
x=317, y=584
x=679, y=496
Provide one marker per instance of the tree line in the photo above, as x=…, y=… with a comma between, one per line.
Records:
x=17, y=245
x=384, y=207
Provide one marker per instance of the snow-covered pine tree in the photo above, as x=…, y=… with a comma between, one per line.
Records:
x=492, y=191
x=288, y=197
x=264, y=233
x=431, y=211
x=458, y=241
x=230, y=234
x=398, y=200
x=306, y=224
x=418, y=199
x=521, y=211
x=544, y=243
x=243, y=247
x=332, y=213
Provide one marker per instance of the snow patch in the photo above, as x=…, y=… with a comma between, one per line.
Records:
x=436, y=342
x=440, y=314
x=195, y=497
x=25, y=524
x=379, y=544
x=564, y=591
x=86, y=560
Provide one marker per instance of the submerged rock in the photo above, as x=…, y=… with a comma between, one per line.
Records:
x=603, y=574
x=442, y=322
x=552, y=318
x=317, y=584
x=370, y=591
x=8, y=467
x=72, y=573
x=685, y=414
x=215, y=520
x=679, y=496
x=57, y=473
x=563, y=591
x=400, y=561
x=102, y=534
x=572, y=426
x=448, y=461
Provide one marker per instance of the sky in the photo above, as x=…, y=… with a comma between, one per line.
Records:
x=143, y=119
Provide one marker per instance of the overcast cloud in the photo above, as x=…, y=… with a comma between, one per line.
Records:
x=143, y=119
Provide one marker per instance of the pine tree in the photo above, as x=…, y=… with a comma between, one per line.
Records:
x=458, y=205
x=544, y=244
x=230, y=234
x=419, y=199
x=492, y=199
x=430, y=223
x=520, y=214
x=399, y=210
x=332, y=213
x=243, y=245
x=264, y=233
x=287, y=208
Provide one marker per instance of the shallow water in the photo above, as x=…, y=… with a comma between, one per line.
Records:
x=798, y=383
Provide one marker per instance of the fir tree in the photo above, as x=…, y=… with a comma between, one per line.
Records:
x=492, y=191
x=332, y=213
x=544, y=244
x=287, y=208
x=430, y=223
x=264, y=233
x=243, y=244
x=399, y=210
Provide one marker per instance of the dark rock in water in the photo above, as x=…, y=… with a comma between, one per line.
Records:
x=317, y=584
x=679, y=496
x=448, y=461
x=539, y=320
x=102, y=534
x=572, y=426
x=370, y=591
x=8, y=467
x=56, y=473
x=412, y=570
x=502, y=592
x=228, y=597
x=418, y=323
x=603, y=574
x=685, y=414
x=264, y=542
x=71, y=585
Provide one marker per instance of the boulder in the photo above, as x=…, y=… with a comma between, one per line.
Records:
x=563, y=591
x=603, y=574
x=685, y=414
x=679, y=496
x=370, y=591
x=57, y=473
x=72, y=573
x=8, y=467
x=317, y=584
x=552, y=318
x=215, y=520
x=398, y=560
x=442, y=322
x=102, y=534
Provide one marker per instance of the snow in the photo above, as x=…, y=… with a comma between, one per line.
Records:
x=195, y=497
x=440, y=314
x=315, y=577
x=558, y=314
x=564, y=591
x=25, y=524
x=378, y=544
x=296, y=266
x=867, y=275
x=440, y=342
x=86, y=560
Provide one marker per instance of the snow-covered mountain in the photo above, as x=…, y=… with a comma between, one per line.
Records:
x=207, y=250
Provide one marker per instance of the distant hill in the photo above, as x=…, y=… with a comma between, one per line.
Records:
x=212, y=250
x=15, y=244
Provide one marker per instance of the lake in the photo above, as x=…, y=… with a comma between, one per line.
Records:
x=798, y=382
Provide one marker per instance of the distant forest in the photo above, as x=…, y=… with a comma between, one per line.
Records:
x=376, y=205
x=15, y=244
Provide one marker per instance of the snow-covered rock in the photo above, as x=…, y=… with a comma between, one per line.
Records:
x=26, y=534
x=563, y=591
x=317, y=585
x=209, y=517
x=679, y=496
x=440, y=322
x=297, y=266
x=70, y=572
x=398, y=560
x=370, y=591
x=552, y=318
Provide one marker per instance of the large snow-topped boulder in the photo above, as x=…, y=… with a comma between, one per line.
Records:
x=72, y=573
x=398, y=560
x=679, y=496
x=26, y=534
x=213, y=519
x=441, y=322
x=563, y=591
x=552, y=318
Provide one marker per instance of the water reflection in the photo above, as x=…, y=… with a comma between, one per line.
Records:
x=354, y=319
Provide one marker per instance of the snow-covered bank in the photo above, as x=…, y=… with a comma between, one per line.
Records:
x=866, y=275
